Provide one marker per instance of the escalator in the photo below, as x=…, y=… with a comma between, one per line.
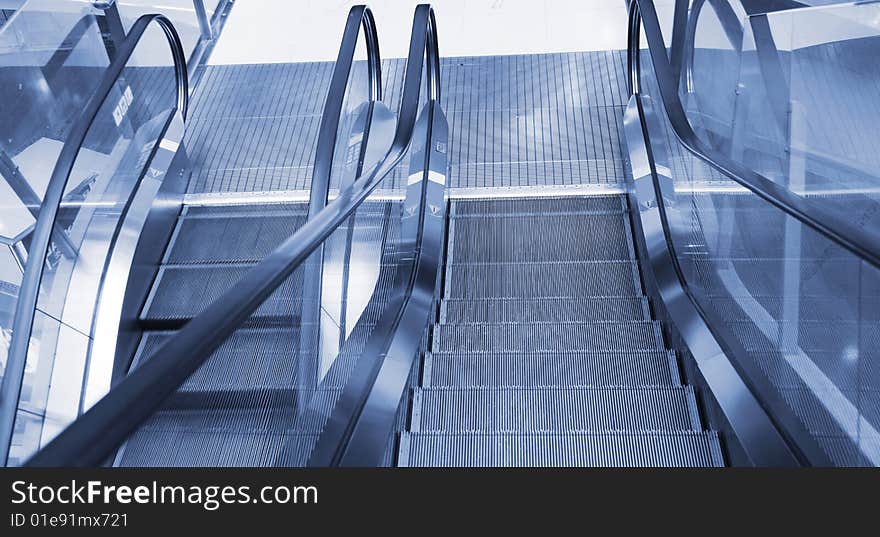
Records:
x=708, y=314
x=546, y=352
x=305, y=298
x=780, y=275
x=248, y=379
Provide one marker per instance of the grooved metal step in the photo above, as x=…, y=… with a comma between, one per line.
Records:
x=265, y=358
x=661, y=408
x=251, y=209
x=545, y=353
x=183, y=291
x=549, y=279
x=211, y=448
x=251, y=358
x=231, y=238
x=578, y=449
x=503, y=310
x=274, y=433
x=539, y=205
x=564, y=369
x=560, y=237
x=270, y=209
x=529, y=337
x=277, y=411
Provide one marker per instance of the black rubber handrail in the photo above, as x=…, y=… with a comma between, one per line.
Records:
x=359, y=16
x=643, y=14
x=25, y=309
x=100, y=430
x=357, y=429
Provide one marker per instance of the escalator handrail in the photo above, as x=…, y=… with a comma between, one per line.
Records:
x=642, y=14
x=100, y=430
x=25, y=310
x=772, y=77
x=359, y=16
x=358, y=426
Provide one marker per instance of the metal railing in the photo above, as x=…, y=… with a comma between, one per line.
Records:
x=768, y=430
x=100, y=430
x=26, y=305
x=851, y=238
x=361, y=421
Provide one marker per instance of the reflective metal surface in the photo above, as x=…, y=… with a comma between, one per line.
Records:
x=108, y=319
x=30, y=287
x=101, y=429
x=786, y=291
x=854, y=239
x=750, y=425
x=361, y=423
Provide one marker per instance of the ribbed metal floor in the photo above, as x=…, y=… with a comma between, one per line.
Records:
x=521, y=120
x=546, y=353
x=259, y=399
x=561, y=449
x=533, y=409
x=212, y=248
x=240, y=406
x=550, y=368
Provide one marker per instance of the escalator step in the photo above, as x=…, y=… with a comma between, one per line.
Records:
x=209, y=448
x=551, y=279
x=262, y=358
x=183, y=291
x=540, y=205
x=579, y=449
x=530, y=337
x=540, y=237
x=252, y=210
x=254, y=358
x=660, y=408
x=275, y=432
x=243, y=234
x=644, y=368
x=231, y=239
x=270, y=209
x=272, y=411
x=500, y=310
